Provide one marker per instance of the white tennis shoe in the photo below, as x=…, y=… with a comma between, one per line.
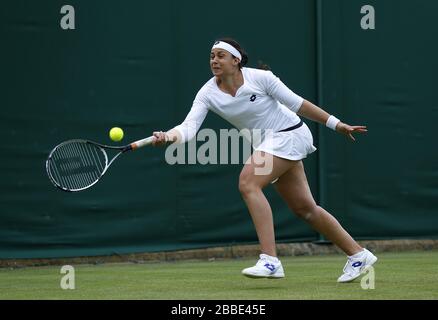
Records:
x=357, y=265
x=266, y=267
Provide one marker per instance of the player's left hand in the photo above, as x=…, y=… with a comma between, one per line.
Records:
x=349, y=130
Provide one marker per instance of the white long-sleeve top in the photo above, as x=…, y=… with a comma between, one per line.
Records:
x=262, y=102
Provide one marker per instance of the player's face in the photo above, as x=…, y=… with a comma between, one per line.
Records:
x=222, y=62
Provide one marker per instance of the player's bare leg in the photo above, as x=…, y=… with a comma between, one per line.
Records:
x=251, y=182
x=294, y=189
x=258, y=172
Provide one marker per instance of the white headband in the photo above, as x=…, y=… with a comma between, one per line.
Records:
x=227, y=47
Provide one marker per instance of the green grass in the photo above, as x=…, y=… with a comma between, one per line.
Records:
x=405, y=275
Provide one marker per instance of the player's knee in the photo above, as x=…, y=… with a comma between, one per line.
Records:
x=246, y=186
x=306, y=211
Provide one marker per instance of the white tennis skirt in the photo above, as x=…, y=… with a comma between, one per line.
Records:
x=292, y=145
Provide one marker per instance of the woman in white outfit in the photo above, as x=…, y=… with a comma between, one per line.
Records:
x=256, y=99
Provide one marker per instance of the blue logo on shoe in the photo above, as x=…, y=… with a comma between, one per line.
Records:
x=357, y=264
x=270, y=266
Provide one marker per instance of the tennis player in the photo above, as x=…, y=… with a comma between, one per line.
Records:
x=256, y=99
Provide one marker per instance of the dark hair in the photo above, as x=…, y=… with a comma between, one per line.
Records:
x=239, y=48
x=235, y=44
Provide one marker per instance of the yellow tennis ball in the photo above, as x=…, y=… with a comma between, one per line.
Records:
x=116, y=134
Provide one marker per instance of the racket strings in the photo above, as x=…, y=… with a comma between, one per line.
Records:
x=77, y=165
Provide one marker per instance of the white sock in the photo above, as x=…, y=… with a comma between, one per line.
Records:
x=357, y=255
x=270, y=258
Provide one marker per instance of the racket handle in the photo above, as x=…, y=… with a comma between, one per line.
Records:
x=141, y=143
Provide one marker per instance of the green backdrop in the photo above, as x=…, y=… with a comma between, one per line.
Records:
x=139, y=64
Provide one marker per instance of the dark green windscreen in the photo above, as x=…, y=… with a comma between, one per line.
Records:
x=139, y=64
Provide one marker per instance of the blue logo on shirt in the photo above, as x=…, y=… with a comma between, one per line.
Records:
x=253, y=97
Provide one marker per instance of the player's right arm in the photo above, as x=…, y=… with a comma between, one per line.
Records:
x=188, y=129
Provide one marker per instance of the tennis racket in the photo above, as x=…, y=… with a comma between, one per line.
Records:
x=76, y=165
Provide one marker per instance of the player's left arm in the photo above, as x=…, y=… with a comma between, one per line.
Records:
x=277, y=89
x=315, y=113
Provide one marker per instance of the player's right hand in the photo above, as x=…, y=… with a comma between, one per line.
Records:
x=160, y=139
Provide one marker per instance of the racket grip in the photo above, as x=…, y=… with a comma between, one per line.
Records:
x=142, y=143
